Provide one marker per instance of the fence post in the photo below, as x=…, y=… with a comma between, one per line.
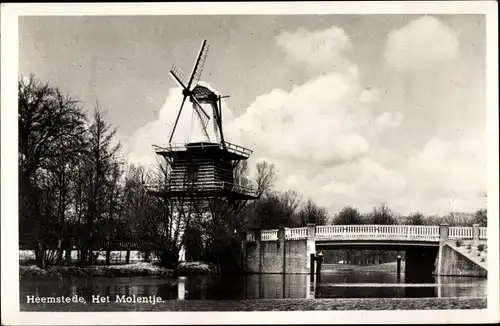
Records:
x=258, y=247
x=444, y=231
x=475, y=235
x=281, y=247
x=311, y=243
x=319, y=261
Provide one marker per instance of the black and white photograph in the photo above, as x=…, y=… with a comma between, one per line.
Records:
x=284, y=158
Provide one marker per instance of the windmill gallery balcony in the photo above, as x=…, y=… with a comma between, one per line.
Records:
x=202, y=189
x=170, y=149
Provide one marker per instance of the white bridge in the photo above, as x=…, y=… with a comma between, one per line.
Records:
x=372, y=232
x=428, y=249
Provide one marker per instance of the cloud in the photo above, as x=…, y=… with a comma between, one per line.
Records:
x=439, y=178
x=420, y=45
x=325, y=135
x=369, y=96
x=321, y=121
x=319, y=50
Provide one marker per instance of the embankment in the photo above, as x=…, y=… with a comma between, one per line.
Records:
x=128, y=270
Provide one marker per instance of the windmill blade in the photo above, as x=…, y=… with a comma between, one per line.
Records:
x=215, y=121
x=201, y=113
x=216, y=131
x=220, y=123
x=203, y=120
x=195, y=100
x=178, y=76
x=198, y=66
x=176, y=120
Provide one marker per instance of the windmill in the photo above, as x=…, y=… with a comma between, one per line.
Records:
x=203, y=173
x=197, y=95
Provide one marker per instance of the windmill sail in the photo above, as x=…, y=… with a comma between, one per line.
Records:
x=198, y=66
x=179, y=76
x=199, y=94
x=202, y=118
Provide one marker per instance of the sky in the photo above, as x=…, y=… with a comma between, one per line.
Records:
x=352, y=109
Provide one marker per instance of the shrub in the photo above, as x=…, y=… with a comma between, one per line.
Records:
x=458, y=243
x=480, y=247
x=483, y=260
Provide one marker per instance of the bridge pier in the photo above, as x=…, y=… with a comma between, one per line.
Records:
x=452, y=263
x=278, y=254
x=311, y=246
x=444, y=231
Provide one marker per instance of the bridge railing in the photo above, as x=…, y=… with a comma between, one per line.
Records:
x=296, y=233
x=361, y=232
x=458, y=232
x=412, y=232
x=250, y=237
x=482, y=233
x=269, y=235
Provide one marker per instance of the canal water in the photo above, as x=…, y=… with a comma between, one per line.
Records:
x=333, y=284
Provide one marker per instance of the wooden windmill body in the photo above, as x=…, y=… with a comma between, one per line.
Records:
x=206, y=169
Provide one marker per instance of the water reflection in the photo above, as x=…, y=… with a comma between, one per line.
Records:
x=265, y=286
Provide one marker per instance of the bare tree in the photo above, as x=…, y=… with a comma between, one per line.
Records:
x=348, y=216
x=51, y=128
x=101, y=160
x=481, y=217
x=311, y=212
x=416, y=218
x=458, y=219
x=382, y=215
x=266, y=175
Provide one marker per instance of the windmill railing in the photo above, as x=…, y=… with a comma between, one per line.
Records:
x=179, y=147
x=236, y=149
x=233, y=148
x=202, y=186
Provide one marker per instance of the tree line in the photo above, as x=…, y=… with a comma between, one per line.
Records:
x=77, y=191
x=384, y=215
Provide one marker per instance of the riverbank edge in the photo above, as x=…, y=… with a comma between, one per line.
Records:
x=452, y=303
x=129, y=270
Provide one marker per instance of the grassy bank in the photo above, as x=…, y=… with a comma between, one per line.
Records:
x=139, y=269
x=276, y=305
x=126, y=270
